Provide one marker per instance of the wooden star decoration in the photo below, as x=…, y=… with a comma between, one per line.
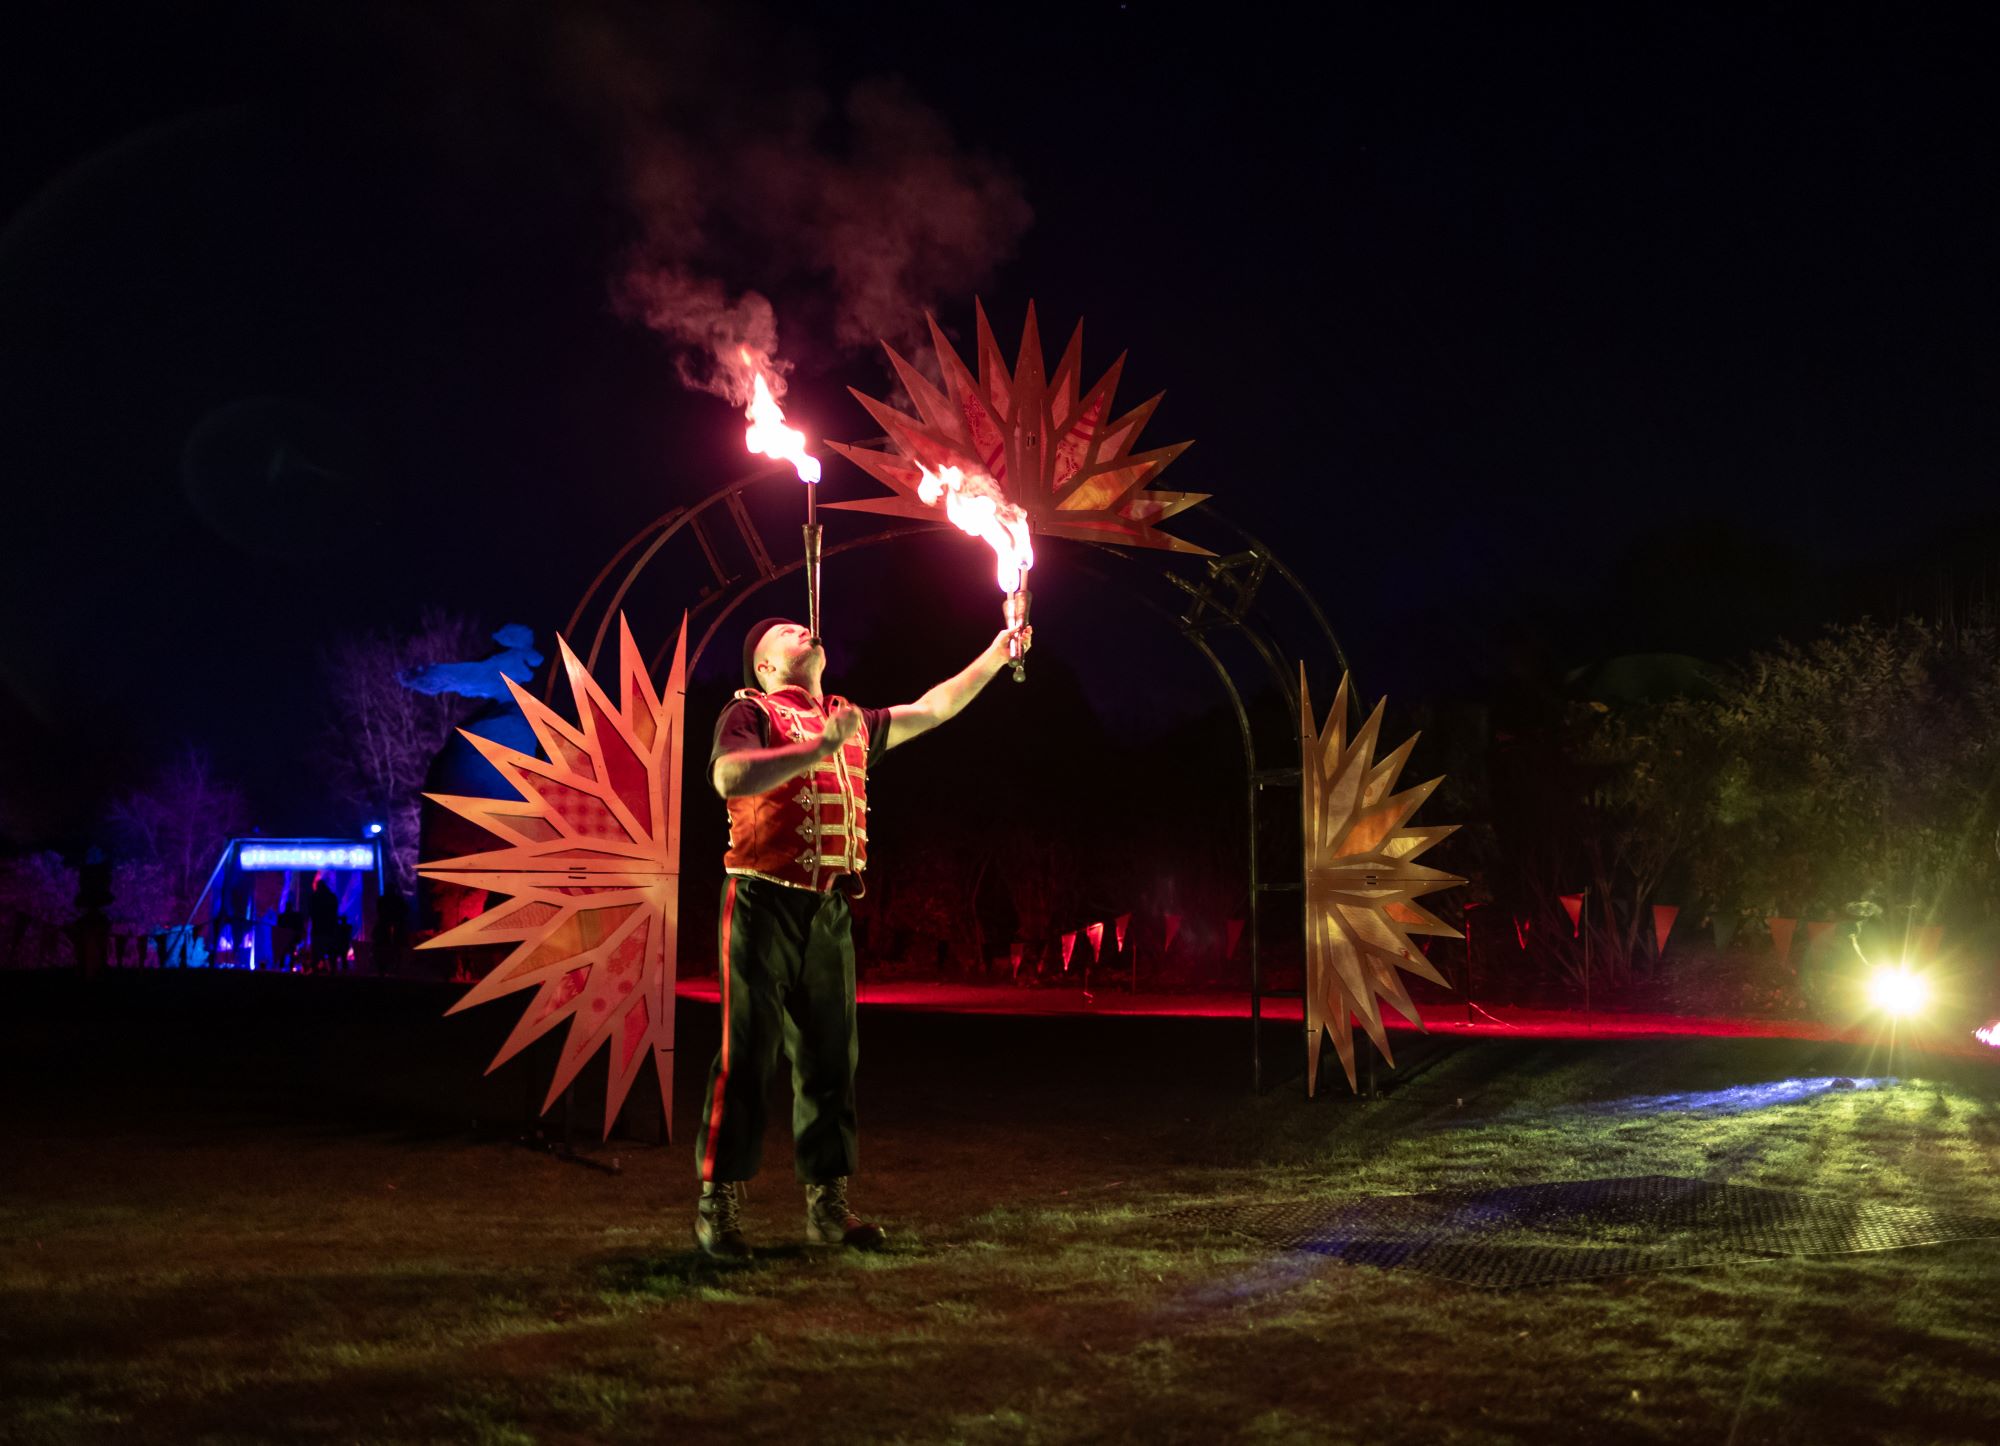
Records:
x=1053, y=447
x=589, y=874
x=1362, y=882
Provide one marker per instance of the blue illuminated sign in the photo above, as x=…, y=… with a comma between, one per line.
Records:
x=306, y=856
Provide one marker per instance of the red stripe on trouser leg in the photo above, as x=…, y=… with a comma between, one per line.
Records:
x=722, y=1074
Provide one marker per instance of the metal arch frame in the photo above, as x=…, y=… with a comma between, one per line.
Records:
x=1204, y=614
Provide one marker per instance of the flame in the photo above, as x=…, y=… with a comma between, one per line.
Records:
x=976, y=506
x=767, y=435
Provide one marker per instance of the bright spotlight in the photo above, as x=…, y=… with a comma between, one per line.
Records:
x=1898, y=990
x=374, y=829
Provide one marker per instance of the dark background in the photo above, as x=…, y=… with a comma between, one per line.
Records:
x=1522, y=335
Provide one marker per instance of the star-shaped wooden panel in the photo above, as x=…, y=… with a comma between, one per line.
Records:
x=587, y=877
x=1054, y=448
x=1362, y=882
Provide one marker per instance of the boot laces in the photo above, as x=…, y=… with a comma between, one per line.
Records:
x=726, y=1206
x=830, y=1200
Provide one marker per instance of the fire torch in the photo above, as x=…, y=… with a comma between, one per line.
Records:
x=812, y=558
x=768, y=436
x=1015, y=611
x=976, y=506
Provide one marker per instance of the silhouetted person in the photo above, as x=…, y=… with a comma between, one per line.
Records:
x=91, y=932
x=392, y=931
x=323, y=908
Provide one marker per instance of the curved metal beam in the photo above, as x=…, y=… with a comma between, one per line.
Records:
x=665, y=519
x=732, y=593
x=744, y=595
x=1292, y=581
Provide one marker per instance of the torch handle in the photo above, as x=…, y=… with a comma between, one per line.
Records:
x=1015, y=613
x=812, y=532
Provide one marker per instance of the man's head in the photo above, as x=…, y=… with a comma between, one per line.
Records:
x=779, y=653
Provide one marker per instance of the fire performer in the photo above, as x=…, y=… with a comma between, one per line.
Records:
x=792, y=765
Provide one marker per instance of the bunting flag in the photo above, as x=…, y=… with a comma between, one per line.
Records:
x=1069, y=948
x=1781, y=937
x=1816, y=932
x=1930, y=941
x=1123, y=921
x=1573, y=906
x=1096, y=933
x=1015, y=951
x=1663, y=924
x=1173, y=928
x=1235, y=928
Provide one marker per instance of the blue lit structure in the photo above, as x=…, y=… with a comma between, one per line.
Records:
x=254, y=912
x=260, y=857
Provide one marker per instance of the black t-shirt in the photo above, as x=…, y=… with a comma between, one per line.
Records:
x=745, y=725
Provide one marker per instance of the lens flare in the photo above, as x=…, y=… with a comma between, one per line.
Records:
x=1898, y=990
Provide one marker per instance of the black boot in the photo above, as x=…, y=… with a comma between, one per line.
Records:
x=718, y=1221
x=830, y=1222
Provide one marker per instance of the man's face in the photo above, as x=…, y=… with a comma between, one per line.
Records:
x=787, y=652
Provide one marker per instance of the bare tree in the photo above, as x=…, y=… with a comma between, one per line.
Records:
x=174, y=828
x=383, y=736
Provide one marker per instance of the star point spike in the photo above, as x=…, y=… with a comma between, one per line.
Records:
x=1050, y=443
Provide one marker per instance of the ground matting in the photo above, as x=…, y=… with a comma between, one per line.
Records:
x=1547, y=1233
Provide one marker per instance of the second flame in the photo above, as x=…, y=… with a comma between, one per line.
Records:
x=976, y=506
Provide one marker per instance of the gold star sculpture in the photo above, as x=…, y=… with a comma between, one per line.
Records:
x=1362, y=882
x=1053, y=447
x=589, y=874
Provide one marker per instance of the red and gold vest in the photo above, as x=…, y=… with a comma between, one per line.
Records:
x=812, y=830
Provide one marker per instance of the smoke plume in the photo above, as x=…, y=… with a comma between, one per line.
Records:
x=747, y=182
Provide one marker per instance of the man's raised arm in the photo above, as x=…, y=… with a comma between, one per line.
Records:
x=948, y=699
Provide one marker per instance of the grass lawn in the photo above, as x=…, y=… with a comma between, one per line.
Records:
x=187, y=1256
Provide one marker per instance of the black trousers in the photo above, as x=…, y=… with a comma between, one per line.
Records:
x=787, y=968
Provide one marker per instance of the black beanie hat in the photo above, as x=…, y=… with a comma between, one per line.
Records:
x=750, y=641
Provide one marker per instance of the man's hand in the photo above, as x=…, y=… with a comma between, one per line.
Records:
x=840, y=726
x=999, y=647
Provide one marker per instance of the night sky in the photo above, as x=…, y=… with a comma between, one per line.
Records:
x=1654, y=328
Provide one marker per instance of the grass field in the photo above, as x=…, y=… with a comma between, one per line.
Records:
x=224, y=1252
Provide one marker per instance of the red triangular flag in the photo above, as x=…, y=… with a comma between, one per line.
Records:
x=1096, y=932
x=1123, y=920
x=1663, y=924
x=1573, y=906
x=1235, y=932
x=1781, y=936
x=1173, y=928
x=1069, y=948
